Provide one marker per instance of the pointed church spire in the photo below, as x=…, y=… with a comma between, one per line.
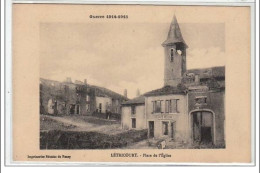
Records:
x=174, y=34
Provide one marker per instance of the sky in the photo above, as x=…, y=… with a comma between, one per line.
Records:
x=119, y=57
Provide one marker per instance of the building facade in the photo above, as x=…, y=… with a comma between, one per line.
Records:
x=133, y=114
x=189, y=108
x=78, y=98
x=62, y=98
x=167, y=115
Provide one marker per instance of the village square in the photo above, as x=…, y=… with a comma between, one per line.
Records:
x=188, y=111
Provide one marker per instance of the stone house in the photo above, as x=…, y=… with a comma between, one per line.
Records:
x=189, y=108
x=62, y=98
x=78, y=98
x=166, y=113
x=206, y=98
x=133, y=114
x=106, y=100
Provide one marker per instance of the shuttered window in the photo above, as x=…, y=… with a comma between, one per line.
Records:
x=157, y=106
x=171, y=106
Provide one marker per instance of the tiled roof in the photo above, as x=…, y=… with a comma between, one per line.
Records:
x=104, y=92
x=136, y=100
x=166, y=90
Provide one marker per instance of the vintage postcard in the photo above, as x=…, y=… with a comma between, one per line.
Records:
x=131, y=83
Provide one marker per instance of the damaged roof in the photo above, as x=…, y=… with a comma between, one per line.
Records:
x=136, y=100
x=215, y=72
x=166, y=90
x=99, y=91
x=104, y=92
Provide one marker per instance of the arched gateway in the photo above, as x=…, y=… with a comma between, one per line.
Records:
x=202, y=123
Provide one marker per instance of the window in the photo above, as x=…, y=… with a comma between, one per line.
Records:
x=197, y=79
x=165, y=128
x=72, y=109
x=100, y=107
x=201, y=100
x=77, y=109
x=78, y=97
x=174, y=105
x=157, y=106
x=167, y=104
x=88, y=107
x=107, y=106
x=172, y=55
x=133, y=110
x=133, y=123
x=87, y=98
x=171, y=106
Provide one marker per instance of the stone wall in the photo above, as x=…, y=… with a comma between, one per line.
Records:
x=60, y=98
x=215, y=103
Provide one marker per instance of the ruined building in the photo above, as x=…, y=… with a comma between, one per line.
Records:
x=78, y=98
x=189, y=108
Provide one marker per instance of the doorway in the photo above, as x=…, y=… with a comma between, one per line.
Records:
x=151, y=129
x=133, y=123
x=173, y=130
x=202, y=127
x=165, y=128
x=72, y=109
x=100, y=107
x=77, y=110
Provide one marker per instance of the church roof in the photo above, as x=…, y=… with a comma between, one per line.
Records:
x=166, y=90
x=174, y=34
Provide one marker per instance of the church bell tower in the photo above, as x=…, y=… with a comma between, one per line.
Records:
x=175, y=55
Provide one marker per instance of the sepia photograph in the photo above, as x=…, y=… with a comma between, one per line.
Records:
x=131, y=84
x=97, y=92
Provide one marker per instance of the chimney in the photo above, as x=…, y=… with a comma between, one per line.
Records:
x=68, y=80
x=125, y=92
x=85, y=81
x=137, y=92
